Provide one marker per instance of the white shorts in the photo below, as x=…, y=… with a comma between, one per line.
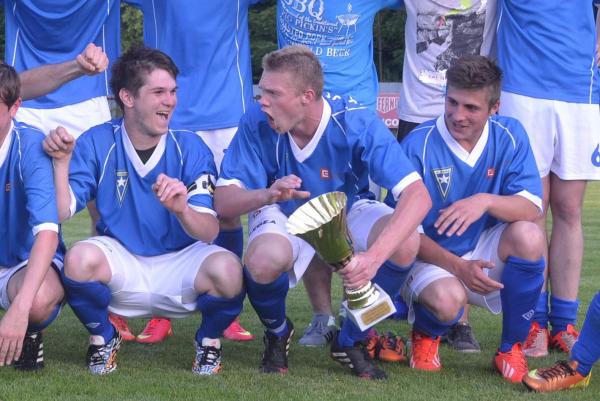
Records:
x=162, y=285
x=565, y=137
x=270, y=219
x=422, y=274
x=6, y=274
x=218, y=141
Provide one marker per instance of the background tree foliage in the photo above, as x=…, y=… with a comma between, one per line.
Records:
x=388, y=37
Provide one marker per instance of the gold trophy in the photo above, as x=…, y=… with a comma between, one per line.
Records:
x=322, y=223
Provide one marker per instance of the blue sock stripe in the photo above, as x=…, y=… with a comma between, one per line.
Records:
x=586, y=350
x=523, y=280
x=217, y=314
x=426, y=322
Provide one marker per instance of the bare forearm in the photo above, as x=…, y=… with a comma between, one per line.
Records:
x=63, y=192
x=511, y=208
x=201, y=226
x=40, y=258
x=431, y=252
x=413, y=205
x=232, y=201
x=42, y=80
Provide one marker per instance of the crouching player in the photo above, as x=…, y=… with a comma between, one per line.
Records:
x=479, y=245
x=153, y=189
x=30, y=256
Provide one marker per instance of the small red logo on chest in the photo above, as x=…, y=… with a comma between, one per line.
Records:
x=491, y=172
x=325, y=174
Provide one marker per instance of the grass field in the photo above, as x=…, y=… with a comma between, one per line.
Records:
x=162, y=372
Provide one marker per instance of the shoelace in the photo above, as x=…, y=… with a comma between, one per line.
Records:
x=152, y=325
x=463, y=333
x=209, y=355
x=318, y=327
x=426, y=347
x=275, y=347
x=559, y=370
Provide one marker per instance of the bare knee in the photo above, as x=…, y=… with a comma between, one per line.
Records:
x=220, y=275
x=407, y=251
x=522, y=239
x=86, y=262
x=49, y=295
x=268, y=257
x=444, y=298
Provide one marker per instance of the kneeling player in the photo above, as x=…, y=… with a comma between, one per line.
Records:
x=479, y=245
x=153, y=189
x=30, y=289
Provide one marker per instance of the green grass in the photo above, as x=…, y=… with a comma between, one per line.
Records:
x=162, y=372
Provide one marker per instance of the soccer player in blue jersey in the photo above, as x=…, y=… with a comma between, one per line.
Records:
x=340, y=33
x=30, y=256
x=297, y=144
x=210, y=43
x=479, y=243
x=153, y=187
x=577, y=371
x=547, y=50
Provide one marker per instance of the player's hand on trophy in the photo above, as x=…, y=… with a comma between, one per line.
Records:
x=359, y=271
x=171, y=193
x=92, y=60
x=12, y=331
x=456, y=218
x=472, y=275
x=59, y=144
x=286, y=188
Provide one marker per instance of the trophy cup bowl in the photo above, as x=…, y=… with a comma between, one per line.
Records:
x=322, y=223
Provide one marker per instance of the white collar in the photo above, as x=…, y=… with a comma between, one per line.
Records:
x=470, y=158
x=302, y=154
x=6, y=144
x=141, y=168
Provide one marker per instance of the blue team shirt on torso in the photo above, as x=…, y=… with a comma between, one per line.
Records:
x=28, y=200
x=546, y=49
x=106, y=167
x=340, y=33
x=349, y=146
x=502, y=163
x=54, y=31
x=210, y=44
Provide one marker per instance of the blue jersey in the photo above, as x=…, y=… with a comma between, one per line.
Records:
x=42, y=32
x=28, y=201
x=547, y=48
x=106, y=167
x=501, y=163
x=350, y=144
x=210, y=43
x=340, y=33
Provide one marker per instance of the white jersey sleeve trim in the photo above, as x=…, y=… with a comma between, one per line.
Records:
x=73, y=204
x=45, y=227
x=536, y=200
x=223, y=182
x=406, y=181
x=202, y=209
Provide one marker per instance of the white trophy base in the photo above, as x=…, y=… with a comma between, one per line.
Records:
x=371, y=315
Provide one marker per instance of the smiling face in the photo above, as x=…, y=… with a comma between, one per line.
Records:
x=281, y=100
x=466, y=113
x=150, y=110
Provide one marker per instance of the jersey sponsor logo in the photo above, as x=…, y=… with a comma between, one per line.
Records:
x=325, y=175
x=122, y=183
x=204, y=185
x=491, y=172
x=443, y=178
x=596, y=156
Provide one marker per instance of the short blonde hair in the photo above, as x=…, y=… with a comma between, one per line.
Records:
x=301, y=62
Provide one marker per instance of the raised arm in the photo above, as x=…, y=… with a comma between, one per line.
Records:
x=59, y=145
x=44, y=79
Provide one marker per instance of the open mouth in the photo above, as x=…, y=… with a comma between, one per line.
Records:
x=163, y=115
